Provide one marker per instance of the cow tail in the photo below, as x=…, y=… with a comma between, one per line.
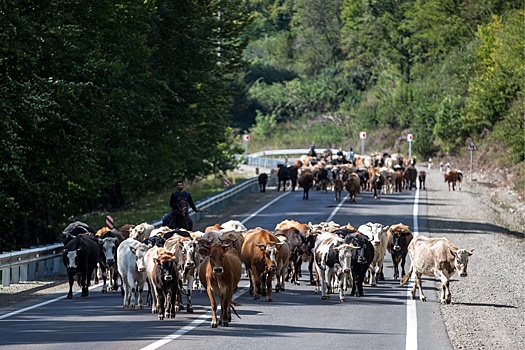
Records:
x=233, y=309
x=406, y=277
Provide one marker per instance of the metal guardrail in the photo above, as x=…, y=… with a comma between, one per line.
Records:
x=44, y=261
x=30, y=264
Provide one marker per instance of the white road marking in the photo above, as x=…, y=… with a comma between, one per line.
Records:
x=264, y=207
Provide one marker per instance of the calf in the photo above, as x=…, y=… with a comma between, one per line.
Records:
x=260, y=253
x=298, y=247
x=422, y=179
x=452, y=178
x=377, y=181
x=80, y=257
x=163, y=278
x=132, y=270
x=398, y=181
x=110, y=242
x=399, y=237
x=220, y=272
x=263, y=180
x=339, y=186
x=306, y=182
x=377, y=234
x=435, y=257
x=362, y=257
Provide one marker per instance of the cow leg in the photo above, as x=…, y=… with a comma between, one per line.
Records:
x=446, y=296
x=418, y=282
x=84, y=283
x=162, y=302
x=342, y=286
x=213, y=304
x=225, y=310
x=403, y=260
x=268, y=280
x=71, y=282
x=140, y=291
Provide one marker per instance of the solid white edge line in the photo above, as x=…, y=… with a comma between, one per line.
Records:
x=411, y=336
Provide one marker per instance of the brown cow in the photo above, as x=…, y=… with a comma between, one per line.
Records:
x=398, y=180
x=164, y=281
x=306, y=182
x=339, y=186
x=260, y=254
x=352, y=185
x=399, y=237
x=435, y=257
x=214, y=227
x=452, y=178
x=422, y=179
x=298, y=248
x=220, y=272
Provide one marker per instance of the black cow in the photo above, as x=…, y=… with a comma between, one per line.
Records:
x=306, y=181
x=361, y=260
x=74, y=229
x=80, y=257
x=286, y=173
x=263, y=180
x=298, y=247
x=164, y=277
x=156, y=241
x=410, y=176
x=377, y=181
x=399, y=237
x=321, y=179
x=422, y=179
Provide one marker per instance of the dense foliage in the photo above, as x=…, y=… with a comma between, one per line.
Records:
x=105, y=101
x=445, y=71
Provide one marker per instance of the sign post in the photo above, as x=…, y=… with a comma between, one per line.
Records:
x=410, y=137
x=109, y=222
x=245, y=139
x=362, y=136
x=471, y=147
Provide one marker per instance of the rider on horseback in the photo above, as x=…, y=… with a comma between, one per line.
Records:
x=176, y=198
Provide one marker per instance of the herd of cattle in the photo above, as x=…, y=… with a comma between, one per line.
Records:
x=382, y=174
x=175, y=262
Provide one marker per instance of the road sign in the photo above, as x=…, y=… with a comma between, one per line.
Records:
x=362, y=135
x=410, y=137
x=472, y=146
x=246, y=137
x=226, y=183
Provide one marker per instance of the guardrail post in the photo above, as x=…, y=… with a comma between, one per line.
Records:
x=41, y=268
x=6, y=277
x=57, y=263
x=49, y=267
x=31, y=267
x=23, y=273
x=15, y=274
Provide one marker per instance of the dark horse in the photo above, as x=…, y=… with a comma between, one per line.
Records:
x=179, y=217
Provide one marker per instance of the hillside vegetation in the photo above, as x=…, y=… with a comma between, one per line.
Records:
x=105, y=103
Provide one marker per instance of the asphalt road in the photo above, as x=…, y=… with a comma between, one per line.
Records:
x=384, y=318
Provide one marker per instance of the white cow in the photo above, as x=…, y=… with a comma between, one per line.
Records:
x=435, y=257
x=132, y=269
x=141, y=231
x=234, y=225
x=377, y=234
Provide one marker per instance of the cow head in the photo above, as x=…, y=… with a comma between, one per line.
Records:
x=165, y=262
x=461, y=260
x=139, y=253
x=400, y=234
x=70, y=258
x=110, y=245
x=359, y=252
x=270, y=252
x=345, y=256
x=189, y=249
x=216, y=256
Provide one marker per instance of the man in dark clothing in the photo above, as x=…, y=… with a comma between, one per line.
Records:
x=175, y=198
